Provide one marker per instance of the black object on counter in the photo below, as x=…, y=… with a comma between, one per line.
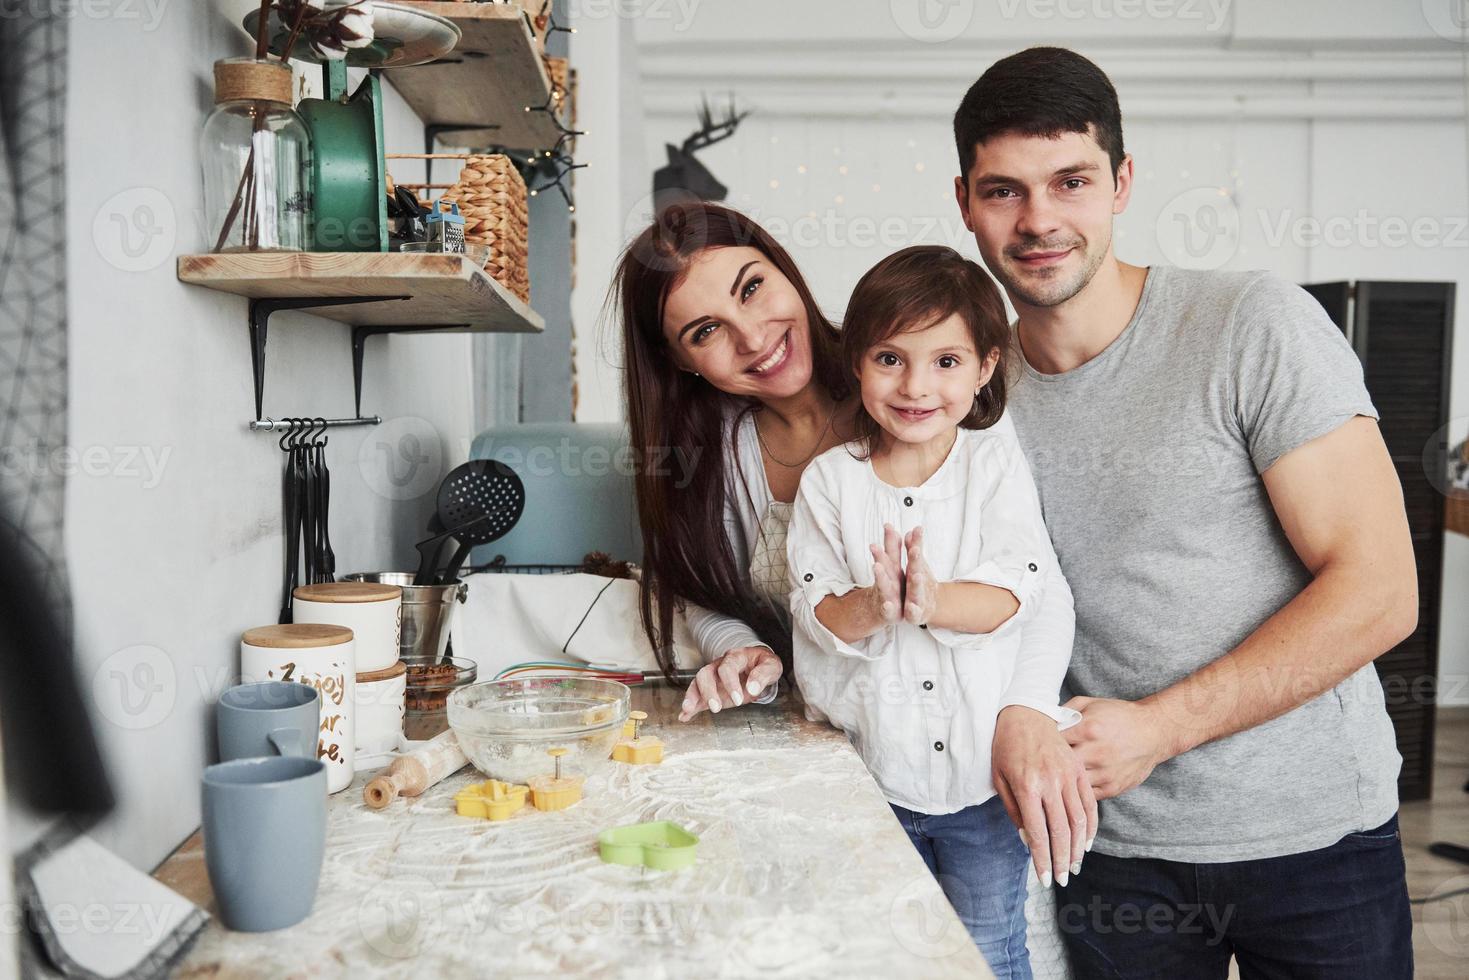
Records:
x=479, y=489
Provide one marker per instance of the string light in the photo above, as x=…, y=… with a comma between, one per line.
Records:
x=564, y=166
x=546, y=20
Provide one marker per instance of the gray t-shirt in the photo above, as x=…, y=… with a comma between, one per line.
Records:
x=1148, y=460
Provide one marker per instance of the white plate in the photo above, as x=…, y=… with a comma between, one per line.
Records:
x=412, y=36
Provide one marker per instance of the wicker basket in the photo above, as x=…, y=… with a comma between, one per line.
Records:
x=491, y=196
x=556, y=69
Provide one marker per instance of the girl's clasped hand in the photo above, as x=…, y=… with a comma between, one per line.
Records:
x=909, y=593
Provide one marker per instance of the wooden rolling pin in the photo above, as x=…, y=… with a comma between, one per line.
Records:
x=415, y=772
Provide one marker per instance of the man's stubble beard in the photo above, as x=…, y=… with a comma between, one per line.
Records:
x=1052, y=292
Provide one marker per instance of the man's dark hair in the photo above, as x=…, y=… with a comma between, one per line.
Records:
x=1044, y=92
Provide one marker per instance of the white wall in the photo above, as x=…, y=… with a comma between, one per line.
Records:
x=1264, y=115
x=611, y=194
x=169, y=567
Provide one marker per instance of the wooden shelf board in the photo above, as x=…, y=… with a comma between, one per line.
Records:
x=442, y=290
x=490, y=77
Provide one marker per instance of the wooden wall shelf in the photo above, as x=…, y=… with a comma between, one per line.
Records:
x=442, y=291
x=375, y=292
x=489, y=78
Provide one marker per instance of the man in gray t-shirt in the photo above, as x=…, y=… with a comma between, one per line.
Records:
x=1232, y=527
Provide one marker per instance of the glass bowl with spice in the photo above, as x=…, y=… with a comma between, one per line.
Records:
x=430, y=682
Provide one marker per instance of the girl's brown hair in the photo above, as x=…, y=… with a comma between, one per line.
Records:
x=914, y=289
x=676, y=416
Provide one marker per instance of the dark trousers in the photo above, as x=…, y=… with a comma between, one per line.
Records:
x=1337, y=913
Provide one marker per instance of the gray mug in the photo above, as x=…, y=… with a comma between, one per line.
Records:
x=264, y=837
x=273, y=718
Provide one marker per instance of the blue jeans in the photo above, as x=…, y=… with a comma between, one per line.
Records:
x=1340, y=912
x=978, y=859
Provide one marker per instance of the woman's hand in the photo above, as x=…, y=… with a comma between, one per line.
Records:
x=738, y=676
x=1045, y=789
x=921, y=592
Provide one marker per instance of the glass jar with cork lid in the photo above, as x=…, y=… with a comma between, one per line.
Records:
x=256, y=155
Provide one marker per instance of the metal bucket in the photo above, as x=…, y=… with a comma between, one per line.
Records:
x=427, y=615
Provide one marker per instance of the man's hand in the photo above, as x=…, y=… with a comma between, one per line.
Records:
x=1119, y=743
x=920, y=592
x=1045, y=791
x=733, y=679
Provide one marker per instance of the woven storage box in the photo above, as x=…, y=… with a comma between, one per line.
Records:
x=557, y=69
x=491, y=196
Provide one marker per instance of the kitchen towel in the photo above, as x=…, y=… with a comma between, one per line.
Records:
x=98, y=916
x=509, y=618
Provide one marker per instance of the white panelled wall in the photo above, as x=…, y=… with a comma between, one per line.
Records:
x=1321, y=140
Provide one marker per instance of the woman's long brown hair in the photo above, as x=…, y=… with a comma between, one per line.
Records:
x=677, y=425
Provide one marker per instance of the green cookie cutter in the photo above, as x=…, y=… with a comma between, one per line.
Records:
x=660, y=845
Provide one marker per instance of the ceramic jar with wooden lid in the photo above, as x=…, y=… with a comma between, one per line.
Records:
x=322, y=656
x=379, y=720
x=369, y=609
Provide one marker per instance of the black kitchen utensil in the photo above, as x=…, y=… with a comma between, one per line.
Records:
x=309, y=502
x=430, y=550
x=478, y=488
x=326, y=562
x=290, y=511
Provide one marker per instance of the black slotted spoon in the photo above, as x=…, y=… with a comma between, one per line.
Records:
x=479, y=489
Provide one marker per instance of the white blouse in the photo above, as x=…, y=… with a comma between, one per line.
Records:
x=920, y=703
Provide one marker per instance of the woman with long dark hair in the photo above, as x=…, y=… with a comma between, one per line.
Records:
x=734, y=372
x=732, y=369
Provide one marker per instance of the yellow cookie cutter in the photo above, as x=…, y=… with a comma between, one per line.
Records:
x=492, y=800
x=637, y=750
x=555, y=792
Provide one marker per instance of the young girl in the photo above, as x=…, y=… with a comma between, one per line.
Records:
x=917, y=553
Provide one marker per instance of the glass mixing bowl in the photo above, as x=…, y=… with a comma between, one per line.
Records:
x=506, y=727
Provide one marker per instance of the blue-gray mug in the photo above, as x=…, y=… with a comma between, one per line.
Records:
x=264, y=837
x=273, y=718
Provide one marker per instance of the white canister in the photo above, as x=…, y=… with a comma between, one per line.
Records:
x=379, y=718
x=320, y=655
x=370, y=610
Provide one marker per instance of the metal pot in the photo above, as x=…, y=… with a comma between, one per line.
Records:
x=427, y=613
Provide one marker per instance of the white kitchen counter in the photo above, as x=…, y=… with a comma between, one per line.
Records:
x=802, y=871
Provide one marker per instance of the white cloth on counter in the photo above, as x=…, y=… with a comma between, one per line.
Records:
x=918, y=703
x=510, y=618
